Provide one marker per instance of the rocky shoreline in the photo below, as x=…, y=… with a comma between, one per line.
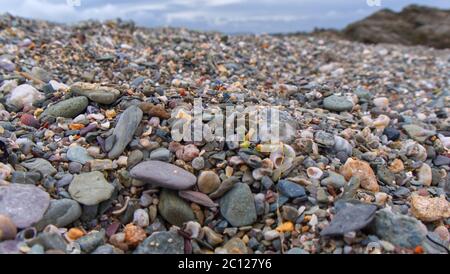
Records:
x=89, y=164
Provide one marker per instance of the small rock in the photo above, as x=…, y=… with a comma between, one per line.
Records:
x=69, y=108
x=78, y=154
x=60, y=213
x=24, y=96
x=391, y=133
x=20, y=177
x=40, y=165
x=95, y=92
x=350, y=218
x=160, y=154
x=123, y=133
x=174, y=209
x=29, y=120
x=197, y=197
x=163, y=174
x=24, y=204
x=401, y=230
x=237, y=206
x=290, y=189
x=424, y=175
x=233, y=246
x=417, y=133
x=361, y=170
x=90, y=188
x=164, y=242
x=91, y=241
x=208, y=182
x=430, y=209
x=337, y=103
x=334, y=179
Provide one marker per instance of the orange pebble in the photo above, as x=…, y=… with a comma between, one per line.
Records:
x=418, y=250
x=285, y=227
x=134, y=235
x=76, y=126
x=75, y=233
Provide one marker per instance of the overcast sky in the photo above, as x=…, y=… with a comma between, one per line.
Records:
x=229, y=16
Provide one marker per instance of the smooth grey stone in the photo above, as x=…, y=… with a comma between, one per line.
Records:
x=69, y=108
x=164, y=242
x=91, y=241
x=124, y=131
x=174, y=209
x=39, y=165
x=60, y=213
x=237, y=206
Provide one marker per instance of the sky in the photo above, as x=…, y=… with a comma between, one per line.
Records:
x=229, y=16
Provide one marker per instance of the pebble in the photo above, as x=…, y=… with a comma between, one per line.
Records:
x=24, y=204
x=350, y=218
x=418, y=133
x=237, y=206
x=60, y=213
x=290, y=189
x=29, y=120
x=208, y=182
x=197, y=197
x=8, y=229
x=334, y=179
x=164, y=242
x=20, y=177
x=40, y=165
x=69, y=108
x=160, y=154
x=95, y=92
x=424, y=175
x=90, y=188
x=141, y=218
x=337, y=103
x=24, y=96
x=78, y=154
x=391, y=133
x=123, y=132
x=401, y=230
x=174, y=209
x=430, y=209
x=163, y=174
x=91, y=241
x=361, y=170
x=233, y=246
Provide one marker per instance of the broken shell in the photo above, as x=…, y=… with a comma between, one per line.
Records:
x=424, y=175
x=381, y=122
x=141, y=218
x=414, y=150
x=314, y=172
x=363, y=171
x=193, y=228
x=27, y=234
x=8, y=230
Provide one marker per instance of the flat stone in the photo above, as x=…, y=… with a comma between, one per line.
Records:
x=78, y=154
x=60, y=213
x=401, y=230
x=95, y=92
x=91, y=241
x=164, y=242
x=124, y=131
x=20, y=177
x=163, y=174
x=40, y=165
x=160, y=154
x=24, y=204
x=418, y=133
x=67, y=108
x=334, y=179
x=237, y=206
x=337, y=103
x=290, y=189
x=350, y=218
x=174, y=209
x=90, y=188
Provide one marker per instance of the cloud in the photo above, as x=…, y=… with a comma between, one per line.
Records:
x=223, y=15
